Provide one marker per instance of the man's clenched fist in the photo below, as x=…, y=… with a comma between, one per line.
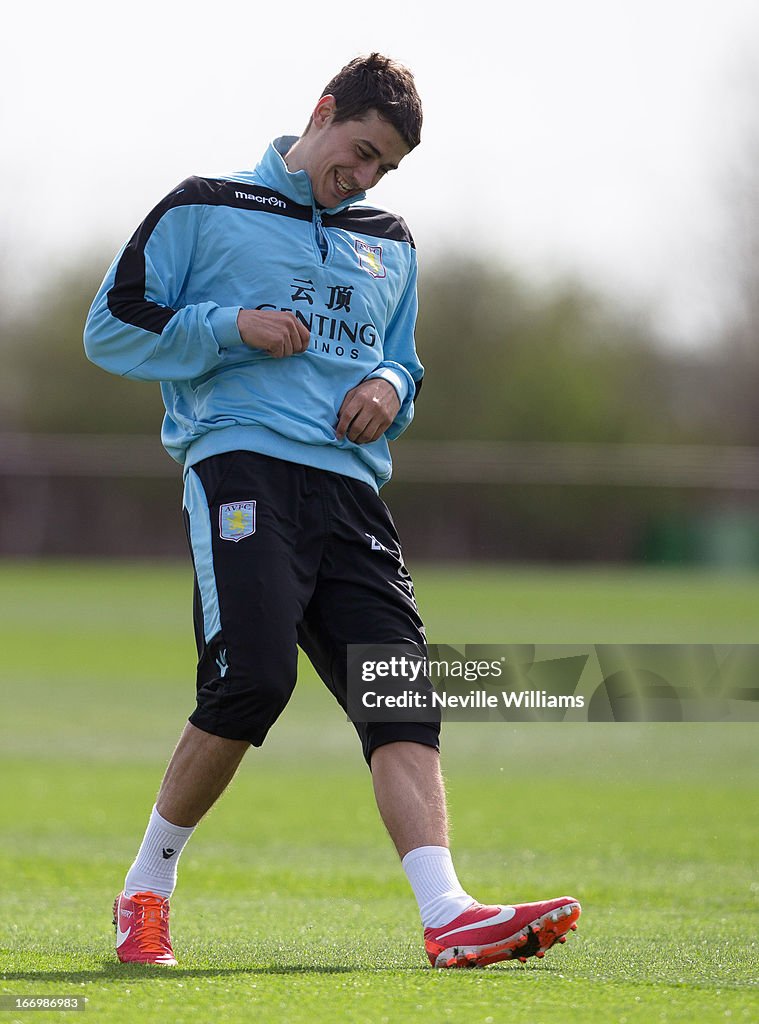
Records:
x=274, y=331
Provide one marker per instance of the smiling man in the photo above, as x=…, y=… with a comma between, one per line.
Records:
x=277, y=312
x=343, y=158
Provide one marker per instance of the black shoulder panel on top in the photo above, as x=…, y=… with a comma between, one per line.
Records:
x=369, y=221
x=126, y=299
x=243, y=196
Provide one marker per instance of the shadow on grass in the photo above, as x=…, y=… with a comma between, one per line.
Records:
x=135, y=972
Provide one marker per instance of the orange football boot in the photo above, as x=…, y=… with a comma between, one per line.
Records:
x=142, y=929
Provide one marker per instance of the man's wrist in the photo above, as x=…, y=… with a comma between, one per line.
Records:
x=392, y=377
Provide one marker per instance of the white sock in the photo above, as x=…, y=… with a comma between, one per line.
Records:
x=437, y=889
x=155, y=867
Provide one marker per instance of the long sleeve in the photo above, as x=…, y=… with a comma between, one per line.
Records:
x=138, y=326
x=401, y=366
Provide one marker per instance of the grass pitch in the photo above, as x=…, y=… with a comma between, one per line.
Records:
x=291, y=905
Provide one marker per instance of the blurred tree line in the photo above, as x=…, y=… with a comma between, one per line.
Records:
x=505, y=360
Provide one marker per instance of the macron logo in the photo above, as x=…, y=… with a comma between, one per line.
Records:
x=263, y=200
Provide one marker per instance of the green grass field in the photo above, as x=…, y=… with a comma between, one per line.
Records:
x=291, y=905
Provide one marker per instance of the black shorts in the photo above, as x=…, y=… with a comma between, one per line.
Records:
x=289, y=555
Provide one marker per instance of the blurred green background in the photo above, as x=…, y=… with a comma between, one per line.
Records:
x=554, y=426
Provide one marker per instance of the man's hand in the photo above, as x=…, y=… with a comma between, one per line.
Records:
x=270, y=330
x=367, y=411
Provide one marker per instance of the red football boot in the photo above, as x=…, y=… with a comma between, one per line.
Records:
x=485, y=935
x=142, y=929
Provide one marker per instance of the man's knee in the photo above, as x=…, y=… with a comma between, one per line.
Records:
x=242, y=701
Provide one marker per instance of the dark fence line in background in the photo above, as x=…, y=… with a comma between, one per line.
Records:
x=539, y=462
x=119, y=496
x=452, y=462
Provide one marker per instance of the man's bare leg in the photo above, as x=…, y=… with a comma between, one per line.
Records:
x=408, y=787
x=459, y=932
x=199, y=771
x=410, y=796
x=201, y=768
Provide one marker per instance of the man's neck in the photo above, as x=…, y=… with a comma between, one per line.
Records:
x=293, y=157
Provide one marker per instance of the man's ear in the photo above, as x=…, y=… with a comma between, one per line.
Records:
x=324, y=111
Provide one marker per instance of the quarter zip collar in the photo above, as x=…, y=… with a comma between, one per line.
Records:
x=272, y=171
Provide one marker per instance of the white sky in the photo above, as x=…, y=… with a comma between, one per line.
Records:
x=596, y=137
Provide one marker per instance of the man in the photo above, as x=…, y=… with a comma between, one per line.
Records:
x=279, y=317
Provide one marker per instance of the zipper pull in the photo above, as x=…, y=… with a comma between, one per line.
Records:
x=321, y=238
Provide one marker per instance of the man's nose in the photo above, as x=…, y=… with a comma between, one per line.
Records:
x=367, y=175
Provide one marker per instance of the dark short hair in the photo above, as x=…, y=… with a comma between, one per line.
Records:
x=382, y=84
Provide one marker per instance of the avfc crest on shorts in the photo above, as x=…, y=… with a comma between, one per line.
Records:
x=237, y=520
x=370, y=258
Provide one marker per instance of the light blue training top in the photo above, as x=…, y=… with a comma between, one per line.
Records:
x=167, y=311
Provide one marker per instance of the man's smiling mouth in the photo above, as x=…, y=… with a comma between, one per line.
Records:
x=342, y=185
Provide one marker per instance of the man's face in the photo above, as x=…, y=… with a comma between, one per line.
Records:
x=346, y=158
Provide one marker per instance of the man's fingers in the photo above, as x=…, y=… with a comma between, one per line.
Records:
x=365, y=426
x=363, y=430
x=295, y=337
x=292, y=340
x=345, y=420
x=303, y=336
x=357, y=427
x=277, y=332
x=371, y=433
x=281, y=346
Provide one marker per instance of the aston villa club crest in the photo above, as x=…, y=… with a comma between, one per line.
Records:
x=237, y=520
x=370, y=258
